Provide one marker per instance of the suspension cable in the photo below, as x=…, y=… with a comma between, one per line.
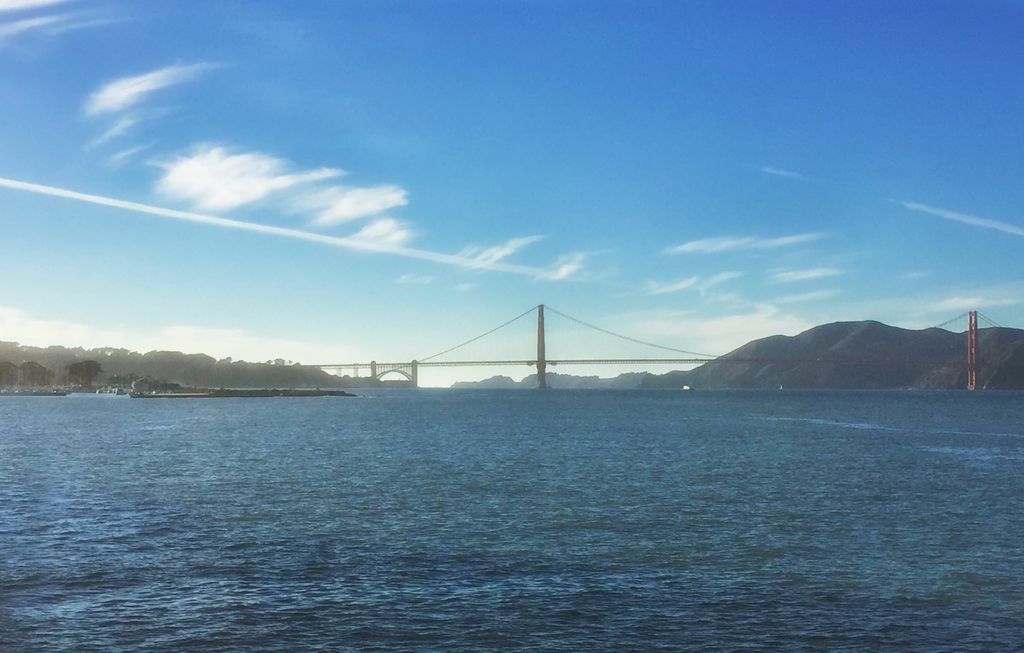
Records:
x=950, y=321
x=634, y=340
x=989, y=320
x=482, y=335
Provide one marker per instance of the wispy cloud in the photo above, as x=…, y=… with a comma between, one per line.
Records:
x=129, y=91
x=80, y=22
x=702, y=285
x=213, y=179
x=340, y=204
x=566, y=266
x=972, y=220
x=668, y=287
x=802, y=298
x=779, y=172
x=19, y=5
x=736, y=243
x=119, y=128
x=16, y=27
x=492, y=261
x=970, y=303
x=415, y=279
x=716, y=280
x=384, y=231
x=917, y=274
x=485, y=256
x=790, y=276
x=120, y=157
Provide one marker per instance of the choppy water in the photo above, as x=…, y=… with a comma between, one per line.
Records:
x=555, y=521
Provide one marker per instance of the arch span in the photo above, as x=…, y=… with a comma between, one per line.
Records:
x=407, y=375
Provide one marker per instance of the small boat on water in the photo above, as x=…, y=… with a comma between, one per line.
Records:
x=686, y=387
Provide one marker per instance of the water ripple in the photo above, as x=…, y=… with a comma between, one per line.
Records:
x=562, y=521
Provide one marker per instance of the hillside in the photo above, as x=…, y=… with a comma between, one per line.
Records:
x=194, y=370
x=841, y=355
x=862, y=355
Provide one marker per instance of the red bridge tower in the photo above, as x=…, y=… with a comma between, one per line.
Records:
x=972, y=348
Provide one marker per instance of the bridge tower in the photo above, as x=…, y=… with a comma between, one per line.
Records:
x=414, y=374
x=542, y=362
x=972, y=348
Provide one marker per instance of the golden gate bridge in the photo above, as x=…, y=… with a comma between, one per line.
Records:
x=410, y=369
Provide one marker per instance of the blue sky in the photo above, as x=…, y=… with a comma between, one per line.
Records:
x=358, y=180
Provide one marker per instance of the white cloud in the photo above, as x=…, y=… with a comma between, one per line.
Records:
x=801, y=298
x=214, y=179
x=241, y=344
x=1005, y=227
x=709, y=333
x=341, y=204
x=667, y=287
x=779, y=172
x=483, y=257
x=48, y=25
x=717, y=279
x=790, y=276
x=19, y=326
x=69, y=25
x=415, y=279
x=384, y=231
x=128, y=91
x=18, y=5
x=971, y=303
x=736, y=243
x=355, y=244
x=702, y=285
x=119, y=128
x=697, y=283
x=567, y=266
x=121, y=156
x=16, y=27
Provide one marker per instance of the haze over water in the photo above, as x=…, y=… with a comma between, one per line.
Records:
x=477, y=520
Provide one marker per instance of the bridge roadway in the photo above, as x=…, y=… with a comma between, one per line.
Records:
x=575, y=361
x=633, y=361
x=410, y=369
x=550, y=361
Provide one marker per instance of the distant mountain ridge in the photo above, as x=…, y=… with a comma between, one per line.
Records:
x=868, y=354
x=558, y=381
x=841, y=355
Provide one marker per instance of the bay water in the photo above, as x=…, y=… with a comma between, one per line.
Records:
x=443, y=520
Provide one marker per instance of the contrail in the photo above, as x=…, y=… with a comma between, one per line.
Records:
x=284, y=232
x=973, y=220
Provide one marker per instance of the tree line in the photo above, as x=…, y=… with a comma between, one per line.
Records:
x=31, y=374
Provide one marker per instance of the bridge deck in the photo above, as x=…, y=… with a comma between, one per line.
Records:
x=631, y=361
x=550, y=361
